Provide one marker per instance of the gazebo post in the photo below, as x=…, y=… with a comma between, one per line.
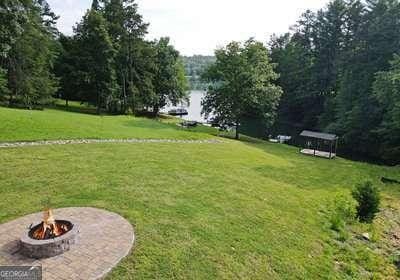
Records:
x=315, y=144
x=336, y=144
x=330, y=151
x=302, y=146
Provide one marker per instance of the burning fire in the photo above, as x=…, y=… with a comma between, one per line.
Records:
x=49, y=227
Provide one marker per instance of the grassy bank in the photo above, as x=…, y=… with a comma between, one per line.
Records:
x=50, y=124
x=203, y=211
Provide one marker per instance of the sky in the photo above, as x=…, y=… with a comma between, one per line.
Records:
x=200, y=26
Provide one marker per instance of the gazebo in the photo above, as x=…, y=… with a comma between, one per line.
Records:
x=319, y=144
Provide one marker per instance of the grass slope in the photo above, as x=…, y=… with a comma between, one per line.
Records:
x=235, y=210
x=24, y=125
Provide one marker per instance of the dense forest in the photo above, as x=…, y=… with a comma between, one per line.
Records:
x=107, y=62
x=194, y=67
x=339, y=70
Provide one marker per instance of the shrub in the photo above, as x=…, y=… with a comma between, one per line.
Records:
x=343, y=211
x=368, y=198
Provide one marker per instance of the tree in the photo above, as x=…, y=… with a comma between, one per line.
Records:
x=295, y=59
x=369, y=48
x=170, y=83
x=126, y=30
x=294, y=65
x=329, y=40
x=68, y=68
x=242, y=84
x=108, y=63
x=3, y=84
x=140, y=89
x=194, y=67
x=327, y=68
x=368, y=197
x=309, y=66
x=97, y=61
x=95, y=5
x=31, y=55
x=387, y=92
x=10, y=29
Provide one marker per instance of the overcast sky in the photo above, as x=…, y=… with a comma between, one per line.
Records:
x=199, y=26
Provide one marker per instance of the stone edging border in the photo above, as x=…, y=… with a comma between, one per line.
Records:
x=97, y=141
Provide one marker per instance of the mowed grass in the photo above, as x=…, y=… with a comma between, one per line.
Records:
x=233, y=210
x=50, y=124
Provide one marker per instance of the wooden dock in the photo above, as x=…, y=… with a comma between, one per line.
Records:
x=317, y=153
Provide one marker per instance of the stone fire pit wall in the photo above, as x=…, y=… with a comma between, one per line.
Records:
x=39, y=249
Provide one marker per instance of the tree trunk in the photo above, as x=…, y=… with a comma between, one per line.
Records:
x=128, y=78
x=12, y=82
x=156, y=110
x=237, y=130
x=98, y=100
x=66, y=102
x=11, y=100
x=124, y=93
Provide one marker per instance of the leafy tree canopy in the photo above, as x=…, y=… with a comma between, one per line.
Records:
x=241, y=84
x=170, y=84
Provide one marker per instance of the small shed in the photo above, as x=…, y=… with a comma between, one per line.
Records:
x=319, y=144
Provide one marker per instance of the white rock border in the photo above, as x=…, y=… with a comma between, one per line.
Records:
x=98, y=141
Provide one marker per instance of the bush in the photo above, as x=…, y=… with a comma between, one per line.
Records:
x=343, y=211
x=368, y=198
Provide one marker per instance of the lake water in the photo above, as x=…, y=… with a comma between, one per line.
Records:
x=194, y=108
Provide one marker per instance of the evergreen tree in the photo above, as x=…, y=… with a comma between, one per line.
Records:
x=97, y=61
x=31, y=55
x=373, y=43
x=294, y=56
x=140, y=88
x=3, y=84
x=68, y=68
x=294, y=65
x=127, y=29
x=329, y=41
x=170, y=83
x=387, y=92
x=95, y=5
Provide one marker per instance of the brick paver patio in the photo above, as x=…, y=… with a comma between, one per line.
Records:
x=104, y=239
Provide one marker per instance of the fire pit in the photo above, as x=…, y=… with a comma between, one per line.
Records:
x=49, y=238
x=104, y=238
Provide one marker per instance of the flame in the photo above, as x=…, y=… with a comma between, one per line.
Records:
x=49, y=227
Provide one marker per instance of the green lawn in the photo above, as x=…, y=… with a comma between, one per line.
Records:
x=232, y=210
x=50, y=124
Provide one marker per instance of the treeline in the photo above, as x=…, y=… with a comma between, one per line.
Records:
x=340, y=73
x=107, y=62
x=28, y=50
x=194, y=68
